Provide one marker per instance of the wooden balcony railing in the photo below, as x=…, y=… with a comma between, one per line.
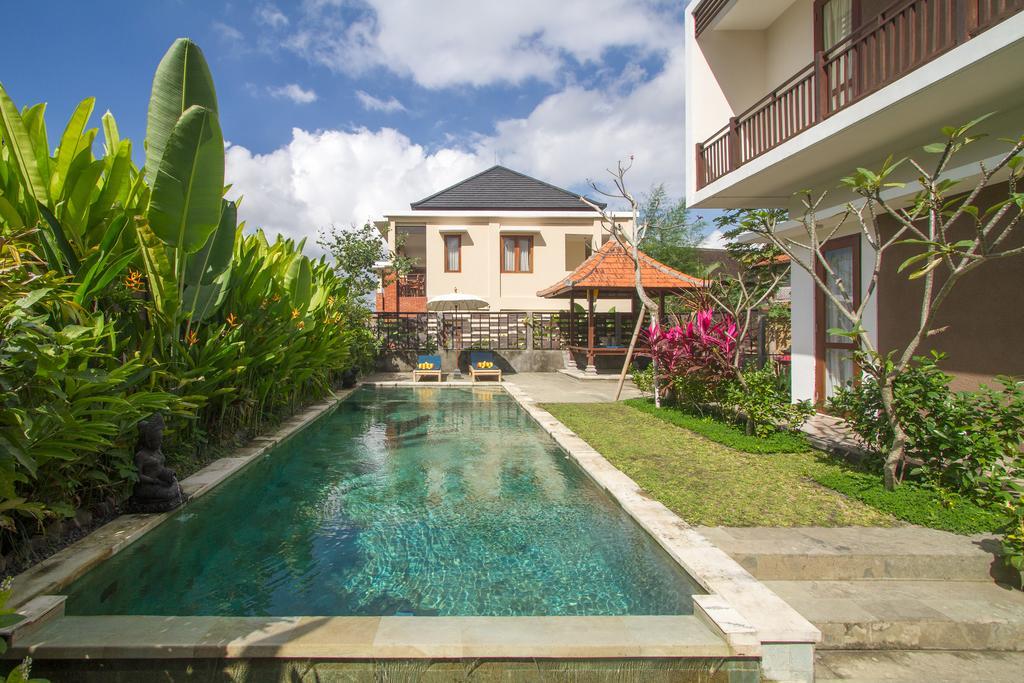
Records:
x=413, y=284
x=907, y=35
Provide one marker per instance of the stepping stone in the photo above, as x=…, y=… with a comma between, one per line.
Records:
x=909, y=615
x=850, y=553
x=902, y=666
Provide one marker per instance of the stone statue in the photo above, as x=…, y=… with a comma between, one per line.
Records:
x=157, y=488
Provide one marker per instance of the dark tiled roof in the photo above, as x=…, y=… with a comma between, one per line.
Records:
x=612, y=268
x=502, y=189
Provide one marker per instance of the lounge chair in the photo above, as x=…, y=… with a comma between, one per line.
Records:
x=427, y=366
x=481, y=364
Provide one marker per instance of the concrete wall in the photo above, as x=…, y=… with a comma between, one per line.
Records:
x=985, y=313
x=510, y=361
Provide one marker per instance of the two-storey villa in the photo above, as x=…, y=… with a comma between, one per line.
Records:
x=499, y=235
x=791, y=95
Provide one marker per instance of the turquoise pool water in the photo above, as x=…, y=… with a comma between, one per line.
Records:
x=404, y=501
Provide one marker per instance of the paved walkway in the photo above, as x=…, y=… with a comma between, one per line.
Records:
x=545, y=387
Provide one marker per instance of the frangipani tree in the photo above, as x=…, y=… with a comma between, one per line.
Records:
x=951, y=236
x=629, y=238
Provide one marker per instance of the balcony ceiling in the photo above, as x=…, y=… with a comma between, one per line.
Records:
x=755, y=15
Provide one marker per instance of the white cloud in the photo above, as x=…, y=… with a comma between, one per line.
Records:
x=344, y=176
x=338, y=177
x=468, y=42
x=228, y=33
x=271, y=16
x=372, y=103
x=294, y=92
x=714, y=240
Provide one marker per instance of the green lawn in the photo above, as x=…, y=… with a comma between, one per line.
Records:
x=708, y=483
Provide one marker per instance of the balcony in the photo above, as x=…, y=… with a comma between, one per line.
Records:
x=413, y=284
x=900, y=39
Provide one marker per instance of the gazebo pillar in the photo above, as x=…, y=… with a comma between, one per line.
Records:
x=591, y=365
x=570, y=358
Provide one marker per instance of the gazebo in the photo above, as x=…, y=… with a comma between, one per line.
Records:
x=609, y=274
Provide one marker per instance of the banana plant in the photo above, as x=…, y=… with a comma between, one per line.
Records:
x=193, y=226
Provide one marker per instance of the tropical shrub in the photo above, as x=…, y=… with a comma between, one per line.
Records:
x=127, y=292
x=969, y=442
x=695, y=356
x=764, y=405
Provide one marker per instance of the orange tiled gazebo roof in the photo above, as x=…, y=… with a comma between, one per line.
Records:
x=610, y=270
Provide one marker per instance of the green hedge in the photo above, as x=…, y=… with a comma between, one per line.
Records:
x=723, y=432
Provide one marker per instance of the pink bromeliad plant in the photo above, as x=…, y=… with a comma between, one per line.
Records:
x=700, y=352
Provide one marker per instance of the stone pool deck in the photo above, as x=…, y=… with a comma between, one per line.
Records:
x=543, y=387
x=893, y=604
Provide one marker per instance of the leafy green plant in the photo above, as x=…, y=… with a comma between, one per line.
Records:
x=123, y=293
x=969, y=442
x=763, y=404
x=723, y=432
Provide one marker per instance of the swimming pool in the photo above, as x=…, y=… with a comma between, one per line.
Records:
x=404, y=501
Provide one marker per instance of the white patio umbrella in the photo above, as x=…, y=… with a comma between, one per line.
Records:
x=456, y=301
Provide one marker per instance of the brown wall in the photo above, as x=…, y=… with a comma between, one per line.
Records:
x=985, y=312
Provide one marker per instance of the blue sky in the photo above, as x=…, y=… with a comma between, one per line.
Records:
x=337, y=110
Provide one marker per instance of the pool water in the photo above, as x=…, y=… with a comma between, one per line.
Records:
x=421, y=501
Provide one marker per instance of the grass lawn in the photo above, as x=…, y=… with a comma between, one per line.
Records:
x=707, y=483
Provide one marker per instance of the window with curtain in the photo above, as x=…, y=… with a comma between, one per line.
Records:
x=517, y=254
x=836, y=22
x=452, y=253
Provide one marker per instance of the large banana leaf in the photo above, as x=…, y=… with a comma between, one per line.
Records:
x=70, y=146
x=215, y=256
x=110, y=134
x=16, y=137
x=184, y=208
x=159, y=271
x=202, y=301
x=35, y=123
x=182, y=80
x=299, y=281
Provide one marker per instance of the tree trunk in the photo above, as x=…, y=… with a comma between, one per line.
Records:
x=894, y=458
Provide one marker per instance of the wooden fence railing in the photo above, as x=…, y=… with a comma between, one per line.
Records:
x=900, y=39
x=498, y=331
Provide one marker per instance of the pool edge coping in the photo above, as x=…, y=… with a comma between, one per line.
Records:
x=737, y=603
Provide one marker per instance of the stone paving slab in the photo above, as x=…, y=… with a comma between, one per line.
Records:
x=142, y=637
x=909, y=615
x=913, y=666
x=850, y=553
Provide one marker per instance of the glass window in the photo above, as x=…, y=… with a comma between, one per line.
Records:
x=508, y=256
x=525, y=247
x=841, y=262
x=516, y=254
x=452, y=253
